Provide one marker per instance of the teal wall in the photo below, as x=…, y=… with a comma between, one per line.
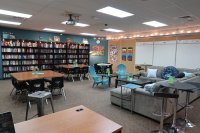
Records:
x=44, y=36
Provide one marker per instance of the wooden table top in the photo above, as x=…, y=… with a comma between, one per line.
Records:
x=23, y=76
x=72, y=66
x=70, y=121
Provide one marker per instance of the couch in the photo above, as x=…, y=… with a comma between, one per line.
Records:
x=145, y=103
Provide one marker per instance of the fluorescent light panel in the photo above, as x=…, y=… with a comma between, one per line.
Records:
x=16, y=14
x=154, y=24
x=113, y=30
x=88, y=34
x=114, y=12
x=54, y=30
x=77, y=24
x=9, y=22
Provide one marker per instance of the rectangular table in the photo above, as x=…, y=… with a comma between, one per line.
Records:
x=140, y=82
x=24, y=76
x=72, y=66
x=74, y=120
x=109, y=77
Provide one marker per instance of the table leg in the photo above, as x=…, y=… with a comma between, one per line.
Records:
x=116, y=83
x=109, y=82
x=121, y=97
x=40, y=107
x=131, y=101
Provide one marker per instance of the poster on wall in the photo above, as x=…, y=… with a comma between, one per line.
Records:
x=97, y=50
x=124, y=54
x=113, y=52
x=130, y=54
x=56, y=39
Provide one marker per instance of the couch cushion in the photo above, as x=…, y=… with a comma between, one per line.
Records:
x=125, y=92
x=151, y=73
x=159, y=70
x=152, y=79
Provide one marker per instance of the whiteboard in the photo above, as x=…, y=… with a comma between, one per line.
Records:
x=164, y=53
x=144, y=53
x=188, y=54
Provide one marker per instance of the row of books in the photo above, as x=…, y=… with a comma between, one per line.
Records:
x=46, y=62
x=46, y=57
x=59, y=45
x=11, y=62
x=46, y=45
x=60, y=51
x=60, y=56
x=29, y=62
x=16, y=68
x=60, y=62
x=11, y=50
x=11, y=43
x=29, y=44
x=83, y=56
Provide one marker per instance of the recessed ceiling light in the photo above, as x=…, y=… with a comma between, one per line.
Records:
x=9, y=22
x=154, y=24
x=77, y=24
x=54, y=30
x=88, y=34
x=113, y=30
x=16, y=14
x=114, y=12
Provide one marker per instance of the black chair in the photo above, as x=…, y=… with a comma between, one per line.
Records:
x=139, y=68
x=110, y=68
x=97, y=69
x=35, y=85
x=85, y=72
x=57, y=68
x=56, y=84
x=74, y=72
x=19, y=86
x=6, y=123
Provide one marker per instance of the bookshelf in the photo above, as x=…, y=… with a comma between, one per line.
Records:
x=46, y=55
x=24, y=55
x=59, y=53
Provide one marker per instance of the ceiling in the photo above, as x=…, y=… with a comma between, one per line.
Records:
x=50, y=14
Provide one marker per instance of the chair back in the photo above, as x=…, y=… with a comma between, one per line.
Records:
x=57, y=82
x=121, y=71
x=36, y=85
x=97, y=68
x=19, y=86
x=6, y=123
x=92, y=72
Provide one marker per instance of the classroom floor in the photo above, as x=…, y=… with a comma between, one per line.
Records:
x=97, y=99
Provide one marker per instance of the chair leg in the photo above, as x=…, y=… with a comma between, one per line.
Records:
x=93, y=85
x=46, y=101
x=88, y=75
x=27, y=108
x=51, y=101
x=12, y=91
x=72, y=78
x=63, y=93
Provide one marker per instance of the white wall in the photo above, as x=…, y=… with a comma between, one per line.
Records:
x=164, y=53
x=180, y=53
x=144, y=53
x=188, y=54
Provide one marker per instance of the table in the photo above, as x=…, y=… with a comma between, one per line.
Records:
x=72, y=66
x=74, y=120
x=140, y=82
x=132, y=87
x=24, y=76
x=109, y=77
x=188, y=88
x=103, y=65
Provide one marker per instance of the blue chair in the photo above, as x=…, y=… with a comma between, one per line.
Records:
x=97, y=79
x=121, y=71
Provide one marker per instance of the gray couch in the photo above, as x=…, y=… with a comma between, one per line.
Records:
x=145, y=103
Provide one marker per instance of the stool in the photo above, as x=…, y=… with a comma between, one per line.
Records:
x=164, y=97
x=39, y=97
